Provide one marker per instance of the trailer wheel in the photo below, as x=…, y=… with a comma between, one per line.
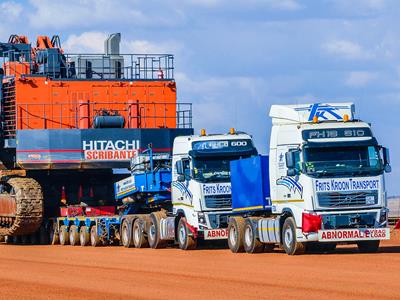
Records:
x=63, y=235
x=139, y=239
x=73, y=235
x=235, y=234
x=251, y=243
x=186, y=242
x=53, y=234
x=289, y=240
x=153, y=231
x=126, y=234
x=368, y=246
x=94, y=238
x=84, y=236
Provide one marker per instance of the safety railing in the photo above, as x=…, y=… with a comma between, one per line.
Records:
x=52, y=63
x=85, y=114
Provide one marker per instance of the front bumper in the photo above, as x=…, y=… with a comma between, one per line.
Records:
x=349, y=227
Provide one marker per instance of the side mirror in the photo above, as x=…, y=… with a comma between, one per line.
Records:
x=290, y=159
x=179, y=167
x=386, y=160
x=181, y=178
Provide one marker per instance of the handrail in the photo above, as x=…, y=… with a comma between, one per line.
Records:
x=82, y=114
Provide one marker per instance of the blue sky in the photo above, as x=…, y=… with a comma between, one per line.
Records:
x=234, y=58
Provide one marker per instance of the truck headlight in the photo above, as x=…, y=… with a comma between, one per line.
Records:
x=201, y=218
x=383, y=216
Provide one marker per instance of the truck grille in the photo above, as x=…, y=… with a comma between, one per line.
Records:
x=218, y=201
x=348, y=199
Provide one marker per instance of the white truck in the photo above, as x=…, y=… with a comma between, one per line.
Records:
x=324, y=184
x=182, y=201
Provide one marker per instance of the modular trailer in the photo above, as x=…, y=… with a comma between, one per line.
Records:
x=167, y=199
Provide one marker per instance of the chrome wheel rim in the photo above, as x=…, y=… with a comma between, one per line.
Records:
x=248, y=236
x=232, y=235
x=288, y=237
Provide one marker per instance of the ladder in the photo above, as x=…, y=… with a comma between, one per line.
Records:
x=9, y=110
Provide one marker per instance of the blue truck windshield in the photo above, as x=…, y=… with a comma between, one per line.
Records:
x=342, y=161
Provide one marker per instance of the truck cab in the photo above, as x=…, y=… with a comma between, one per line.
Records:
x=201, y=188
x=327, y=174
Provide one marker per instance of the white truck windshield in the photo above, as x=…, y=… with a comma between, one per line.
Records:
x=354, y=160
x=208, y=169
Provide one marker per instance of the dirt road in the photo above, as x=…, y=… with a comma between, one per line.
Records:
x=66, y=272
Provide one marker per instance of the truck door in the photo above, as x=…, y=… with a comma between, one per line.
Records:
x=181, y=194
x=287, y=187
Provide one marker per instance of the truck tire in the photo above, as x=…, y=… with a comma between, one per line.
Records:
x=126, y=234
x=63, y=235
x=368, y=246
x=289, y=241
x=185, y=241
x=250, y=242
x=236, y=234
x=94, y=238
x=73, y=236
x=153, y=232
x=84, y=236
x=138, y=236
x=54, y=237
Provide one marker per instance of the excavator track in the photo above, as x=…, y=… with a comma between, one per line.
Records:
x=26, y=201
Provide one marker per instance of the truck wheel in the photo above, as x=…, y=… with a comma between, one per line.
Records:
x=139, y=239
x=153, y=232
x=368, y=246
x=289, y=241
x=73, y=236
x=54, y=237
x=236, y=234
x=251, y=243
x=63, y=235
x=94, y=238
x=126, y=234
x=186, y=242
x=84, y=236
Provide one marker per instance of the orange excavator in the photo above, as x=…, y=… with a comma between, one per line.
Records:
x=70, y=122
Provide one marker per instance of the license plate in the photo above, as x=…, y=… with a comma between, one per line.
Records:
x=347, y=235
x=216, y=234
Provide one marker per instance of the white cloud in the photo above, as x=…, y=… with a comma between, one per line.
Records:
x=273, y=4
x=81, y=13
x=360, y=78
x=10, y=9
x=87, y=42
x=346, y=49
x=283, y=4
x=144, y=46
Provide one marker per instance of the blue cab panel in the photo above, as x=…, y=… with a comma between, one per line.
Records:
x=250, y=184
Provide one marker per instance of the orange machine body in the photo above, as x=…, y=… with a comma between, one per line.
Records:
x=42, y=103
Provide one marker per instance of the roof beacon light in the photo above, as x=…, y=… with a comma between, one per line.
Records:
x=203, y=132
x=346, y=118
x=232, y=130
x=315, y=119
